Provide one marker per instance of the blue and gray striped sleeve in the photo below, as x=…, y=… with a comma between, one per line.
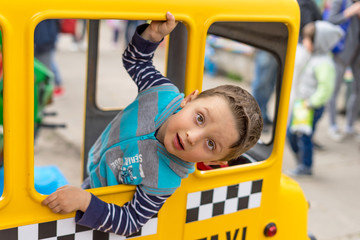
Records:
x=137, y=60
x=125, y=220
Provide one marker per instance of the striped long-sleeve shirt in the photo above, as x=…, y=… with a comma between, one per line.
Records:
x=146, y=203
x=137, y=60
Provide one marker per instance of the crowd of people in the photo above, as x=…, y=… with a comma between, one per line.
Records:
x=329, y=44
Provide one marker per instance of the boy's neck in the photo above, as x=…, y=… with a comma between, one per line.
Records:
x=160, y=132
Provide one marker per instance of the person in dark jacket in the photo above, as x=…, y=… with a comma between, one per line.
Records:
x=45, y=37
x=309, y=12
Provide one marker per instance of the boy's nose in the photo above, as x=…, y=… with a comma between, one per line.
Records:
x=193, y=137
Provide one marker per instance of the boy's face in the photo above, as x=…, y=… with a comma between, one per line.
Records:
x=202, y=131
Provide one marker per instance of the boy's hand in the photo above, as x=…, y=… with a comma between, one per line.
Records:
x=68, y=199
x=157, y=30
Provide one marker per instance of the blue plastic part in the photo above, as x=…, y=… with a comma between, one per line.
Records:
x=47, y=179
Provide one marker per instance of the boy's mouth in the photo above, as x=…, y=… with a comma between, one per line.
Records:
x=178, y=142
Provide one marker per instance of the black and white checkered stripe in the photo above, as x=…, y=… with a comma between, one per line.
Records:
x=66, y=229
x=223, y=200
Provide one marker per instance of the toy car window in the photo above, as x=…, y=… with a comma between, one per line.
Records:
x=59, y=102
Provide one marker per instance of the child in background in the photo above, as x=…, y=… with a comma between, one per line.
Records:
x=157, y=139
x=314, y=78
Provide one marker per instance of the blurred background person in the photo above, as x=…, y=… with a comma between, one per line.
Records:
x=346, y=13
x=266, y=66
x=313, y=88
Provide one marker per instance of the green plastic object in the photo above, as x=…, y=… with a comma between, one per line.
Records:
x=43, y=91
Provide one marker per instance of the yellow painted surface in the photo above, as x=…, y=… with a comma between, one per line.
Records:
x=282, y=200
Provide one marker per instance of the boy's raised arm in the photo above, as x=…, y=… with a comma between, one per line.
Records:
x=137, y=58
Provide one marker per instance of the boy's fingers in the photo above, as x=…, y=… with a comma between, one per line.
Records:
x=56, y=209
x=170, y=24
x=62, y=187
x=170, y=17
x=53, y=204
x=49, y=199
x=170, y=20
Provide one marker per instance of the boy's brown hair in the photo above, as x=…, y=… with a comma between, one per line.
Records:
x=247, y=115
x=308, y=31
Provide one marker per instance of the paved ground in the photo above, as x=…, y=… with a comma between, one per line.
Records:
x=333, y=191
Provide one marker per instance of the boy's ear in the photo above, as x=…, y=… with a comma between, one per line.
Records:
x=189, y=98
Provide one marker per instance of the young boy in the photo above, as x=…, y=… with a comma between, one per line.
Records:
x=313, y=85
x=157, y=139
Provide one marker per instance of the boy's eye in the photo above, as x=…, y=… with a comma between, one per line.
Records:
x=199, y=119
x=210, y=144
